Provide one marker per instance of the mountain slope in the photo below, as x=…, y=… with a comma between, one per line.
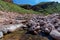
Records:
x=47, y=7
x=5, y=6
x=44, y=7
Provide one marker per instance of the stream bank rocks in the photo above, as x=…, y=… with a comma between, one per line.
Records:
x=4, y=29
x=34, y=23
x=49, y=24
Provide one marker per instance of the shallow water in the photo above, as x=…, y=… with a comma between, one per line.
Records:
x=43, y=34
x=46, y=35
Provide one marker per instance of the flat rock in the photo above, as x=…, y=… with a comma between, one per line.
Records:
x=1, y=34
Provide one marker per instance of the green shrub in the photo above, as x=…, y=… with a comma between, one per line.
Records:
x=5, y=6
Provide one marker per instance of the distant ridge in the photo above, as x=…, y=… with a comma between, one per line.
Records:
x=44, y=7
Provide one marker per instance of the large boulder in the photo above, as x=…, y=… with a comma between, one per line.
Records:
x=10, y=27
x=55, y=34
x=1, y=34
x=13, y=27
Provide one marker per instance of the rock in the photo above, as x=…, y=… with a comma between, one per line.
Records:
x=58, y=29
x=1, y=34
x=55, y=34
x=47, y=30
x=12, y=27
x=46, y=23
x=4, y=30
x=21, y=21
x=19, y=18
x=9, y=28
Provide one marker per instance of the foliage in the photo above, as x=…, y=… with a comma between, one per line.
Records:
x=26, y=6
x=45, y=7
x=5, y=6
x=8, y=1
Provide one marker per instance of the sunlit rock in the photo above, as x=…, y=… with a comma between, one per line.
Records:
x=1, y=34
x=55, y=34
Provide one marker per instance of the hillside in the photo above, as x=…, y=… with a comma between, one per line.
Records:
x=10, y=1
x=5, y=6
x=44, y=7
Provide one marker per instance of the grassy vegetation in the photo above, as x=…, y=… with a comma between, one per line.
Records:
x=5, y=6
x=44, y=7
